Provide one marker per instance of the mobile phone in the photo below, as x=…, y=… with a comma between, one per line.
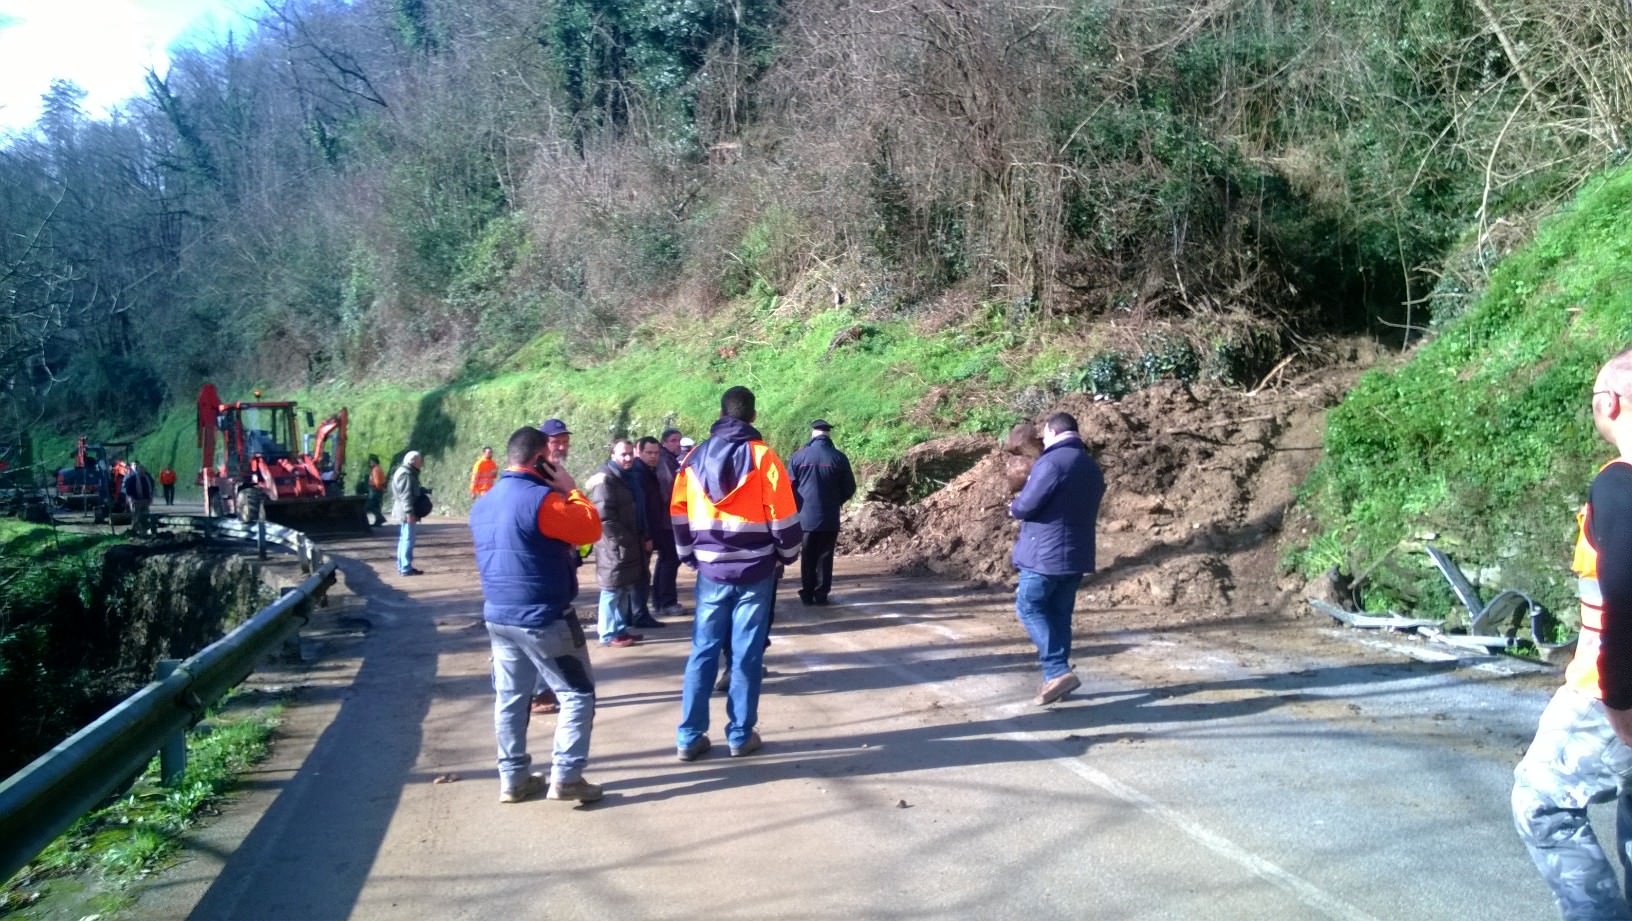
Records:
x=545, y=469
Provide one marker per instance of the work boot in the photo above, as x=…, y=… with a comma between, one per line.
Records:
x=693, y=751
x=527, y=789
x=749, y=745
x=580, y=790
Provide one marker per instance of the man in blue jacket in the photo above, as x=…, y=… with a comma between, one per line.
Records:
x=822, y=483
x=1057, y=509
x=527, y=529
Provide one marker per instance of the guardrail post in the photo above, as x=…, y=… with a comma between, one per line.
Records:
x=173, y=753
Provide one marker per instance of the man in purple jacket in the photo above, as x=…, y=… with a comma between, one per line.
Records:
x=1057, y=509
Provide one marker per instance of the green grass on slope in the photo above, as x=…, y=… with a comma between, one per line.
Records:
x=1484, y=440
x=884, y=392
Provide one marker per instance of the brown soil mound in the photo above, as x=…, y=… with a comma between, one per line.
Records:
x=1198, y=483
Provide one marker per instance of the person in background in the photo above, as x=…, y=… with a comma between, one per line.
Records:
x=1057, y=509
x=404, y=490
x=137, y=487
x=665, y=593
x=822, y=483
x=617, y=553
x=557, y=445
x=167, y=482
x=376, y=491
x=1580, y=754
x=526, y=530
x=655, y=526
x=735, y=520
x=483, y=474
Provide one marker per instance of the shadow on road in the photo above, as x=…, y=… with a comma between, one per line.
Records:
x=310, y=854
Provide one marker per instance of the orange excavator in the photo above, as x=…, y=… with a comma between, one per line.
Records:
x=263, y=469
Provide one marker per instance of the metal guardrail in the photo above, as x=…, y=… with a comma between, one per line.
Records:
x=40, y=801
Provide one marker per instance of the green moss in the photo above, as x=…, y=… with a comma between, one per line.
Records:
x=1485, y=438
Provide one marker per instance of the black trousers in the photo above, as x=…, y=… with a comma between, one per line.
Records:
x=816, y=566
x=169, y=494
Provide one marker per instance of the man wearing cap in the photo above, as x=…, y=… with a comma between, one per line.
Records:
x=404, y=489
x=559, y=439
x=822, y=483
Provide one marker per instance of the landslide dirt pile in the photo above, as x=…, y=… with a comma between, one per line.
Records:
x=1198, y=483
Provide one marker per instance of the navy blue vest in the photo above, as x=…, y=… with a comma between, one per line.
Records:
x=528, y=580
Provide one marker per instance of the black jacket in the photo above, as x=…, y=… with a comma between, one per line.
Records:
x=822, y=482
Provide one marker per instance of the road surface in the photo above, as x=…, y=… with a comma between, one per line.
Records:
x=905, y=774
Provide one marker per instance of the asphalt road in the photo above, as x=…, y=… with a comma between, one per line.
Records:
x=905, y=774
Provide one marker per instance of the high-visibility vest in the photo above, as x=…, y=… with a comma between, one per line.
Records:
x=1582, y=672
x=483, y=475
x=376, y=478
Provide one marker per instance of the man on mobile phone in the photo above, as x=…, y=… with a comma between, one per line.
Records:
x=527, y=529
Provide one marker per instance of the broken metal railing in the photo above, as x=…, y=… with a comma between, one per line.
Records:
x=1492, y=625
x=43, y=799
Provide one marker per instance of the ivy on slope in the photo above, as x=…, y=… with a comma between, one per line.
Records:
x=1483, y=441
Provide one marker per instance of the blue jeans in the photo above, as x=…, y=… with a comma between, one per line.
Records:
x=405, y=547
x=521, y=657
x=617, y=610
x=1044, y=605
x=742, y=612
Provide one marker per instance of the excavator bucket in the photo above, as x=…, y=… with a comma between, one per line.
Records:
x=328, y=515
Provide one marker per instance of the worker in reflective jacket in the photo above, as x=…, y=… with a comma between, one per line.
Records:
x=483, y=474
x=735, y=520
x=1580, y=754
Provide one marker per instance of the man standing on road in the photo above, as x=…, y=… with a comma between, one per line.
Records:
x=655, y=527
x=167, y=482
x=822, y=483
x=735, y=519
x=617, y=553
x=665, y=591
x=483, y=474
x=138, y=489
x=404, y=491
x=376, y=491
x=1580, y=754
x=527, y=530
x=1057, y=509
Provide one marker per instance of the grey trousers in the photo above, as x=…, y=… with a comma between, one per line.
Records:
x=1575, y=760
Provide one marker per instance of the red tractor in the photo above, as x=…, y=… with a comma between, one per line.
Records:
x=262, y=469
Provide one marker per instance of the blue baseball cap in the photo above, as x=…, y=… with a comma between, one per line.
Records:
x=554, y=427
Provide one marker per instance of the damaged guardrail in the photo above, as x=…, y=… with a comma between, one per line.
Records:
x=1493, y=625
x=38, y=802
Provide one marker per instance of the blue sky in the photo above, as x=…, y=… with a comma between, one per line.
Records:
x=103, y=45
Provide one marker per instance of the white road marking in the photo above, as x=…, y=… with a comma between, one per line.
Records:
x=1304, y=891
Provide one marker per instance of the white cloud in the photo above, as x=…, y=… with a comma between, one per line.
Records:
x=105, y=46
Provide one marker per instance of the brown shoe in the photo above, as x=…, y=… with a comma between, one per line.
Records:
x=1057, y=689
x=578, y=791
x=545, y=703
x=527, y=789
x=620, y=642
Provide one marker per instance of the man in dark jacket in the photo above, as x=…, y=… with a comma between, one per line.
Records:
x=617, y=553
x=527, y=530
x=665, y=591
x=655, y=529
x=138, y=490
x=822, y=483
x=1057, y=509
